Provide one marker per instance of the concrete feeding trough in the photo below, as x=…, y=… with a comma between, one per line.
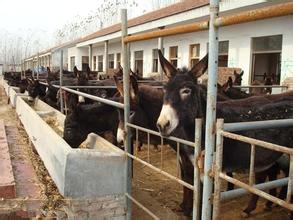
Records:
x=78, y=173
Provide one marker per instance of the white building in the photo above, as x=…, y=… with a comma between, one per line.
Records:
x=259, y=47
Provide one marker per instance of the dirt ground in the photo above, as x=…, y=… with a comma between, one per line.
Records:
x=158, y=193
x=163, y=196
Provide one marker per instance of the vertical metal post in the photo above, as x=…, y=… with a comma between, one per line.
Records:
x=38, y=66
x=125, y=66
x=290, y=181
x=218, y=169
x=106, y=63
x=91, y=57
x=61, y=81
x=196, y=173
x=251, y=169
x=210, y=111
x=160, y=47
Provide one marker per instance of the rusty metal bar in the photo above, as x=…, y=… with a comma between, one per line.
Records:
x=257, y=14
x=251, y=169
x=196, y=172
x=182, y=29
x=263, y=144
x=142, y=206
x=189, y=186
x=257, y=192
x=217, y=170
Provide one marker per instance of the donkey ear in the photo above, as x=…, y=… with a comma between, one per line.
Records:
x=75, y=71
x=199, y=69
x=131, y=72
x=134, y=87
x=167, y=67
x=241, y=73
x=230, y=82
x=119, y=85
x=88, y=70
x=235, y=73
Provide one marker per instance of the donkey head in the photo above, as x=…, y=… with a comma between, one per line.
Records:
x=134, y=106
x=238, y=78
x=182, y=101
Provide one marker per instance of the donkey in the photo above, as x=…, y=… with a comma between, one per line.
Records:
x=268, y=80
x=184, y=101
x=233, y=93
x=145, y=103
x=87, y=118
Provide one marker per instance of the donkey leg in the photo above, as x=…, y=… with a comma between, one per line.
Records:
x=230, y=186
x=272, y=174
x=259, y=178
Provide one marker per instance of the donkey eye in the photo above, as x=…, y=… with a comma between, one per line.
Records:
x=184, y=93
x=131, y=114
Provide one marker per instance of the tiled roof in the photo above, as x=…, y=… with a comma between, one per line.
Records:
x=173, y=9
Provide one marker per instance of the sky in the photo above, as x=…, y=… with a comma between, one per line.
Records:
x=48, y=15
x=38, y=20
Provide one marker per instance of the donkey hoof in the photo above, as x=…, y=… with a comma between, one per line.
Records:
x=245, y=214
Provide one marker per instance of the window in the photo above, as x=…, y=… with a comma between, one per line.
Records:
x=155, y=60
x=173, y=54
x=138, y=62
x=266, y=58
x=193, y=54
x=111, y=61
x=100, y=63
x=95, y=63
x=72, y=63
x=84, y=62
x=223, y=53
x=118, y=60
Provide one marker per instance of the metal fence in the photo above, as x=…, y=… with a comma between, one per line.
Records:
x=213, y=24
x=219, y=175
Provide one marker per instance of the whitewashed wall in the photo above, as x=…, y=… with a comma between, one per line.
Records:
x=239, y=37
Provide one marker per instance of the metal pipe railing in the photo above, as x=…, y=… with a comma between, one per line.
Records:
x=210, y=111
x=264, y=144
x=150, y=213
x=172, y=138
x=196, y=171
x=255, y=189
x=127, y=141
x=232, y=194
x=260, y=86
x=95, y=98
x=92, y=97
x=244, y=126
